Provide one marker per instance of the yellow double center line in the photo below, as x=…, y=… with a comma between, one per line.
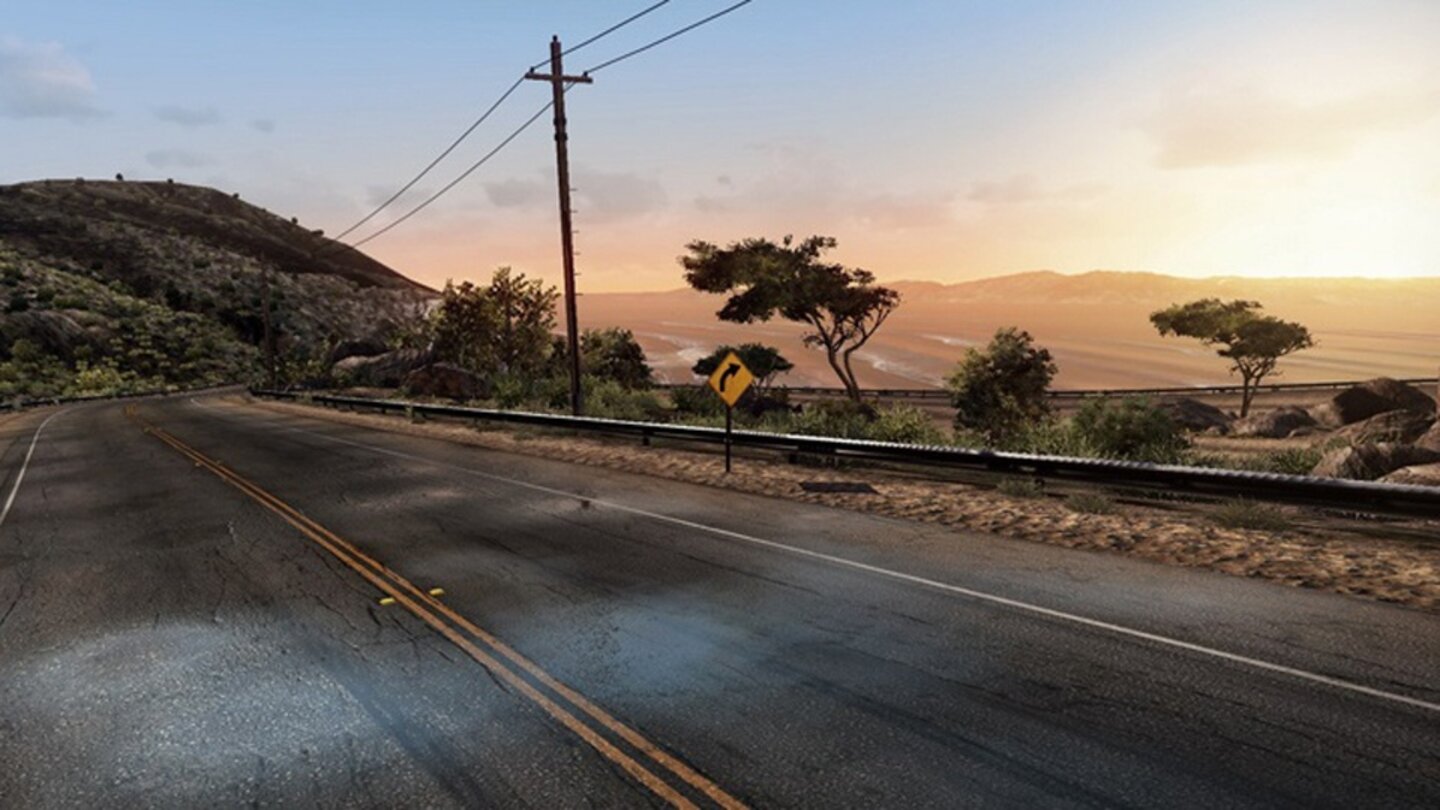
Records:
x=435, y=613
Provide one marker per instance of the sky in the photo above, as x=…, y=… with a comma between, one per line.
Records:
x=935, y=140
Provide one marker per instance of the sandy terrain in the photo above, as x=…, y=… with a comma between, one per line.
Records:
x=1397, y=563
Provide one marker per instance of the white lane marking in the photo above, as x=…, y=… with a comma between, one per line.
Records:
x=24, y=465
x=1313, y=677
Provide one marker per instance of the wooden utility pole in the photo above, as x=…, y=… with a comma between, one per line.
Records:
x=558, y=80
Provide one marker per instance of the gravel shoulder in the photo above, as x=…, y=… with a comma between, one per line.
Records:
x=1395, y=562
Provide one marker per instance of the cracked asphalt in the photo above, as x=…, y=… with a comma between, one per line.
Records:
x=167, y=640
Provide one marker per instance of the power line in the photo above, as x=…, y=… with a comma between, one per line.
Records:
x=691, y=27
x=608, y=31
x=477, y=164
x=433, y=163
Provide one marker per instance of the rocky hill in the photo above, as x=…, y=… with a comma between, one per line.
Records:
x=113, y=284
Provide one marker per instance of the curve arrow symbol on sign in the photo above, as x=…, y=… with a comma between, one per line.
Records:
x=729, y=372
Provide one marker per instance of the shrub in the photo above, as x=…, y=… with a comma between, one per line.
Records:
x=1294, y=461
x=839, y=418
x=614, y=354
x=1133, y=429
x=1052, y=437
x=1091, y=503
x=1243, y=514
x=1021, y=488
x=696, y=400
x=1000, y=389
x=609, y=399
x=905, y=424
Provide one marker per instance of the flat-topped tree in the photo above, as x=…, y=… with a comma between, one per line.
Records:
x=1253, y=342
x=842, y=305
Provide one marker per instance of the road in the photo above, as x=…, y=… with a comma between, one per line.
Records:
x=207, y=603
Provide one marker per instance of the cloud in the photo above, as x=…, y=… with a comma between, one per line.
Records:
x=40, y=80
x=179, y=158
x=1025, y=188
x=188, y=116
x=599, y=196
x=516, y=193
x=265, y=125
x=1238, y=126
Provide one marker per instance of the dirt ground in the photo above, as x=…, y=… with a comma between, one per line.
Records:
x=1396, y=562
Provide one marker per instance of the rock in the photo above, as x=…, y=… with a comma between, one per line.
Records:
x=359, y=347
x=446, y=380
x=1401, y=427
x=1369, y=399
x=1276, y=424
x=386, y=370
x=1367, y=462
x=1424, y=475
x=54, y=333
x=1431, y=439
x=1197, y=416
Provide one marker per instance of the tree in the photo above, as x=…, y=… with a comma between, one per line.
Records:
x=1001, y=389
x=765, y=362
x=465, y=323
x=1252, y=342
x=526, y=311
x=842, y=306
x=614, y=354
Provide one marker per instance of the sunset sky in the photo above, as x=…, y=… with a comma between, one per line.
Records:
x=936, y=140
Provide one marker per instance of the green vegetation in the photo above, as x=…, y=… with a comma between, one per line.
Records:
x=999, y=391
x=1132, y=429
x=842, y=306
x=1243, y=514
x=1021, y=488
x=1253, y=343
x=1091, y=503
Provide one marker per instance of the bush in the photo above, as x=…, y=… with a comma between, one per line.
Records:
x=1052, y=438
x=696, y=400
x=838, y=418
x=1000, y=389
x=1133, y=429
x=1021, y=488
x=1091, y=503
x=1295, y=461
x=905, y=424
x=608, y=399
x=1243, y=514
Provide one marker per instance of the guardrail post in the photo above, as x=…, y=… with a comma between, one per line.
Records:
x=645, y=438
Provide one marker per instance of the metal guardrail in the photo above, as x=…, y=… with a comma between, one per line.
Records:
x=1097, y=393
x=1366, y=496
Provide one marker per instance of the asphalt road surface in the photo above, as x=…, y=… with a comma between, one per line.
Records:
x=204, y=603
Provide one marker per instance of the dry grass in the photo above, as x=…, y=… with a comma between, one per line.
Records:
x=1390, y=569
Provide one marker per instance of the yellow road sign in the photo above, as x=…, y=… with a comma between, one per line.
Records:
x=731, y=379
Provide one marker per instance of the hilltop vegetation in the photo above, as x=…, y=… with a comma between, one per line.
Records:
x=111, y=286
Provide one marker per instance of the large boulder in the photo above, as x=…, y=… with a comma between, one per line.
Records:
x=1377, y=396
x=54, y=332
x=446, y=380
x=1367, y=462
x=1424, y=475
x=1400, y=427
x=1276, y=424
x=1192, y=414
x=386, y=370
x=357, y=347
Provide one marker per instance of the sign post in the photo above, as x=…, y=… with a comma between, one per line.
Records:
x=730, y=380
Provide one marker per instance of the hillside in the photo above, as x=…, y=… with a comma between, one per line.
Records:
x=112, y=284
x=1095, y=323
